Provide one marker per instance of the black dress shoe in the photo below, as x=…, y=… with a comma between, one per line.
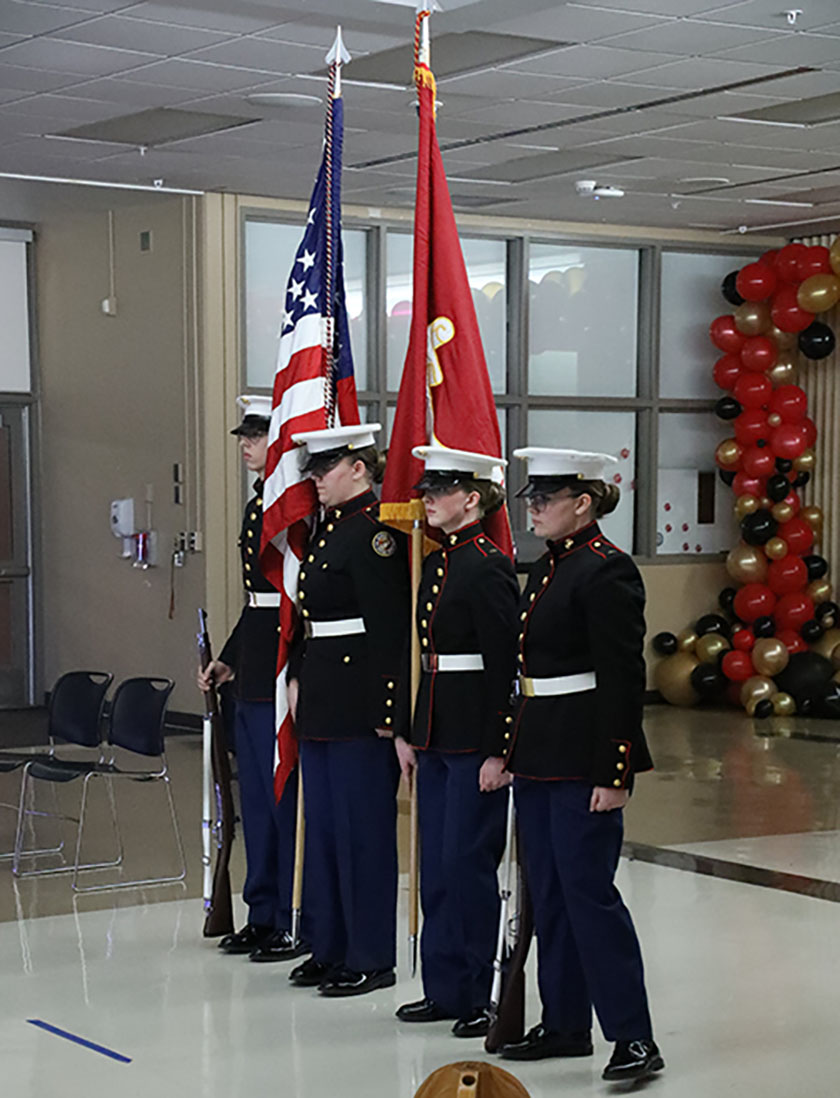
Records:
x=246, y=940
x=310, y=974
x=279, y=947
x=476, y=1025
x=540, y=1043
x=424, y=1010
x=347, y=982
x=633, y=1060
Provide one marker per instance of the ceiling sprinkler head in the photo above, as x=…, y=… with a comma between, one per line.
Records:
x=792, y=15
x=588, y=188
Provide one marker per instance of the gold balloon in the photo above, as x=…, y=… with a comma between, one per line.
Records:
x=709, y=647
x=783, y=705
x=814, y=517
x=819, y=293
x=834, y=256
x=728, y=452
x=785, y=341
x=782, y=512
x=756, y=688
x=775, y=420
x=819, y=590
x=746, y=563
x=769, y=656
x=783, y=373
x=776, y=548
x=752, y=318
x=686, y=640
x=827, y=643
x=765, y=503
x=672, y=678
x=745, y=505
x=805, y=462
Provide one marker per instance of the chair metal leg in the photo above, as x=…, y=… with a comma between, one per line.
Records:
x=8, y=854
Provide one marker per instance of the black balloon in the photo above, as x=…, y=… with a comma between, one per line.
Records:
x=778, y=486
x=759, y=527
x=729, y=289
x=805, y=678
x=665, y=644
x=726, y=598
x=784, y=465
x=764, y=627
x=708, y=680
x=764, y=709
x=711, y=623
x=829, y=703
x=827, y=610
x=811, y=631
x=800, y=480
x=817, y=568
x=728, y=408
x=727, y=476
x=817, y=341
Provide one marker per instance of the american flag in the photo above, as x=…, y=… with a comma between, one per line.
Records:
x=314, y=388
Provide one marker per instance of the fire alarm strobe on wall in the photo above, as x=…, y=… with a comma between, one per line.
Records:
x=588, y=188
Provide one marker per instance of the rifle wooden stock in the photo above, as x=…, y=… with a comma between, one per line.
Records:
x=508, y=1024
x=219, y=907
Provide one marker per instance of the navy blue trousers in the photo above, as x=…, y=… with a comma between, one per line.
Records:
x=350, y=868
x=462, y=840
x=269, y=828
x=588, y=952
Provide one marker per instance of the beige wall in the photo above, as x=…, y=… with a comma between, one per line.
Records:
x=117, y=410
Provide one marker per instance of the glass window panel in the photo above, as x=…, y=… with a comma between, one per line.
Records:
x=687, y=443
x=582, y=320
x=603, y=432
x=14, y=318
x=270, y=249
x=690, y=300
x=486, y=270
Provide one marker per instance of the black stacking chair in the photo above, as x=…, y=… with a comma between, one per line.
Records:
x=135, y=734
x=74, y=717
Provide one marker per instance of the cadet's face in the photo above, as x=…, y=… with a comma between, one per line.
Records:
x=450, y=510
x=344, y=481
x=558, y=514
x=254, y=450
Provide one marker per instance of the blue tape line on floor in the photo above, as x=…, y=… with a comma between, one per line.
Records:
x=79, y=1040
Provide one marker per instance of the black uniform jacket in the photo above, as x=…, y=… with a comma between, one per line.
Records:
x=354, y=567
x=582, y=610
x=251, y=649
x=466, y=604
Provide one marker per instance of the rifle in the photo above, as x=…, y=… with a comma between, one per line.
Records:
x=507, y=1010
x=218, y=903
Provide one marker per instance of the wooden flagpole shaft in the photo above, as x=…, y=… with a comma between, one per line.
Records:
x=297, y=877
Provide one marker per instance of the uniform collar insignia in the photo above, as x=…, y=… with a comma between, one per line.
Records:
x=465, y=534
x=352, y=506
x=574, y=541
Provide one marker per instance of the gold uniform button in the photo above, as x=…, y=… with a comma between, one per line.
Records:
x=253, y=516
x=301, y=594
x=346, y=659
x=545, y=580
x=389, y=720
x=619, y=766
x=258, y=502
x=622, y=748
x=337, y=514
x=424, y=622
x=324, y=565
x=532, y=596
x=568, y=543
x=430, y=606
x=390, y=686
x=617, y=782
x=302, y=575
x=440, y=571
x=521, y=658
x=247, y=566
x=248, y=583
x=389, y=702
x=425, y=642
x=521, y=636
x=311, y=557
x=453, y=538
x=250, y=551
x=321, y=543
x=507, y=735
x=305, y=613
x=330, y=527
x=279, y=628
x=596, y=544
x=481, y=541
x=523, y=615
x=250, y=533
x=508, y=720
x=435, y=589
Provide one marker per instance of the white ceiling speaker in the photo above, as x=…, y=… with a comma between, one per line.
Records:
x=588, y=188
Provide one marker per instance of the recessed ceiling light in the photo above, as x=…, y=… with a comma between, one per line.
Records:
x=283, y=99
x=778, y=202
x=761, y=121
x=722, y=179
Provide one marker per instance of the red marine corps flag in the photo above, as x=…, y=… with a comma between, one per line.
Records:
x=314, y=388
x=445, y=395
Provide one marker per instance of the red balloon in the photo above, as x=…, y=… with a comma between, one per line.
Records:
x=787, y=262
x=769, y=257
x=759, y=353
x=789, y=402
x=758, y=461
x=798, y=535
x=810, y=432
x=785, y=311
x=751, y=390
x=816, y=261
x=744, y=485
x=789, y=440
x=786, y=575
x=754, y=600
x=793, y=610
x=756, y=281
x=727, y=371
x=750, y=426
x=726, y=336
x=792, y=640
x=737, y=666
x=743, y=640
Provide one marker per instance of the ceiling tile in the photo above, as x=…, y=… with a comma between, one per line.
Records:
x=70, y=57
x=661, y=7
x=593, y=62
x=517, y=112
x=63, y=108
x=17, y=17
x=788, y=50
x=506, y=83
x=32, y=80
x=692, y=37
x=265, y=54
x=321, y=35
x=210, y=18
x=694, y=73
x=771, y=13
x=124, y=93
x=182, y=73
x=163, y=39
x=578, y=23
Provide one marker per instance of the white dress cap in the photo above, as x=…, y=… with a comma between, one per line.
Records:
x=254, y=405
x=546, y=462
x=354, y=437
x=440, y=459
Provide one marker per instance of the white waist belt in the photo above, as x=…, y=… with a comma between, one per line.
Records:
x=342, y=627
x=264, y=599
x=561, y=684
x=461, y=661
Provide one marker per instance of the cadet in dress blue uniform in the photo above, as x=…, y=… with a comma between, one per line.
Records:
x=466, y=620
x=249, y=658
x=354, y=605
x=575, y=743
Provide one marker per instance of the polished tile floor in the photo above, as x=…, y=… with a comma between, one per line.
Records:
x=744, y=980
